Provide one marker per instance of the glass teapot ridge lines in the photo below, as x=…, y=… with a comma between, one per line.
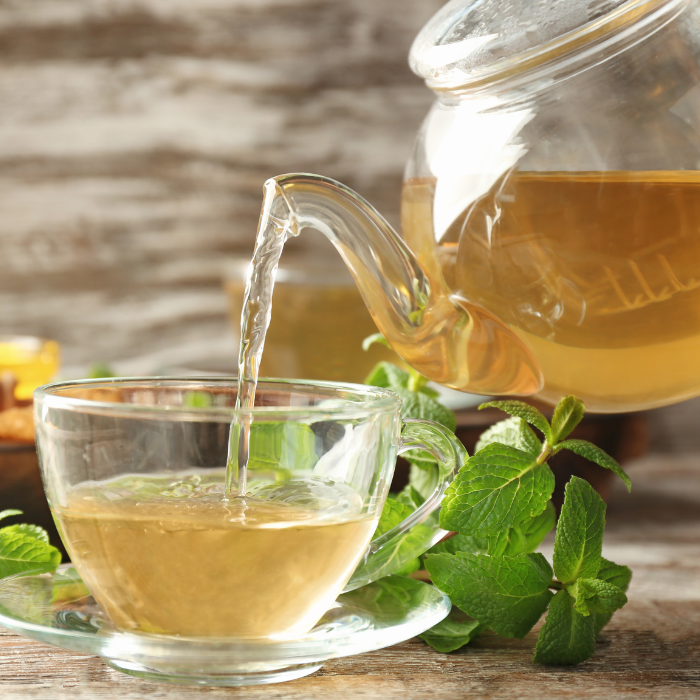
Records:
x=550, y=237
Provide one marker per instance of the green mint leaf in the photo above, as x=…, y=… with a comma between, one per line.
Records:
x=515, y=540
x=23, y=553
x=371, y=340
x=417, y=401
x=68, y=586
x=419, y=405
x=509, y=542
x=29, y=599
x=402, y=557
x=567, y=637
x=284, y=445
x=196, y=399
x=100, y=370
x=589, y=451
x=411, y=497
x=567, y=415
x=461, y=543
x=9, y=513
x=514, y=432
x=533, y=531
x=507, y=594
x=619, y=576
x=390, y=598
x=599, y=621
x=616, y=574
x=522, y=410
x=453, y=632
x=429, y=392
x=417, y=498
x=423, y=478
x=579, y=540
x=392, y=514
x=405, y=498
x=38, y=533
x=595, y=596
x=499, y=487
x=387, y=375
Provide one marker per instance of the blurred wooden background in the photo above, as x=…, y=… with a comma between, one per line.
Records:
x=135, y=138
x=134, y=141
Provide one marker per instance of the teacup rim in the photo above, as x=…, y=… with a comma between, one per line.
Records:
x=376, y=399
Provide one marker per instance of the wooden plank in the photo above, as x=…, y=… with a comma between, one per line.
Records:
x=135, y=138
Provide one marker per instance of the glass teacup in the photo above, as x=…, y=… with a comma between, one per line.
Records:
x=134, y=474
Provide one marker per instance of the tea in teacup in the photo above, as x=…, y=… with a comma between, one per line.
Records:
x=167, y=554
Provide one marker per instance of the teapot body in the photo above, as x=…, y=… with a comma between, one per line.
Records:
x=565, y=201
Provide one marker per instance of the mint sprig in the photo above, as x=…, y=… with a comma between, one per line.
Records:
x=483, y=496
x=499, y=509
x=25, y=549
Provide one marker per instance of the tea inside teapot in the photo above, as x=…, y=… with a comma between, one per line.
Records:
x=598, y=273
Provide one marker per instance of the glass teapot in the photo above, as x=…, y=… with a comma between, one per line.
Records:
x=550, y=237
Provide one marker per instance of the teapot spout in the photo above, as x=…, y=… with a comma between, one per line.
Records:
x=444, y=337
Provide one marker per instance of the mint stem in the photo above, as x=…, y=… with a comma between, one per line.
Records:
x=545, y=454
x=416, y=381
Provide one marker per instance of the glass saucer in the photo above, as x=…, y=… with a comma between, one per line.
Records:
x=57, y=609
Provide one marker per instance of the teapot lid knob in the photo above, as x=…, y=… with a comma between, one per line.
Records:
x=469, y=43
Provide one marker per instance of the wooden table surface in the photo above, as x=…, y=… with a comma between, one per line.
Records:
x=651, y=649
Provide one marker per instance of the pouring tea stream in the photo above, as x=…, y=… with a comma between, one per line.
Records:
x=449, y=340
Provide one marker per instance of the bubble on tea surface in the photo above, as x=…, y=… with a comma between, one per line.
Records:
x=322, y=498
x=198, y=493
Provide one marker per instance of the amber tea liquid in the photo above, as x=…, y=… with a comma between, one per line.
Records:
x=597, y=272
x=173, y=558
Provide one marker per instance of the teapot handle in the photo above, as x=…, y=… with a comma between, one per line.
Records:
x=417, y=533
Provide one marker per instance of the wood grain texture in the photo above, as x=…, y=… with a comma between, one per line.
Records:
x=135, y=138
x=651, y=649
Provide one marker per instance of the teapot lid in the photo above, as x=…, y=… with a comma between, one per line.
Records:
x=472, y=42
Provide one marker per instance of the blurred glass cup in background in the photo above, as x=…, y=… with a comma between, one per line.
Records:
x=318, y=321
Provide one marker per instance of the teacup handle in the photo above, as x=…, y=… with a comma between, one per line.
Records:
x=413, y=536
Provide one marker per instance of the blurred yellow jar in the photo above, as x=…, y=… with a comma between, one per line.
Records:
x=31, y=361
